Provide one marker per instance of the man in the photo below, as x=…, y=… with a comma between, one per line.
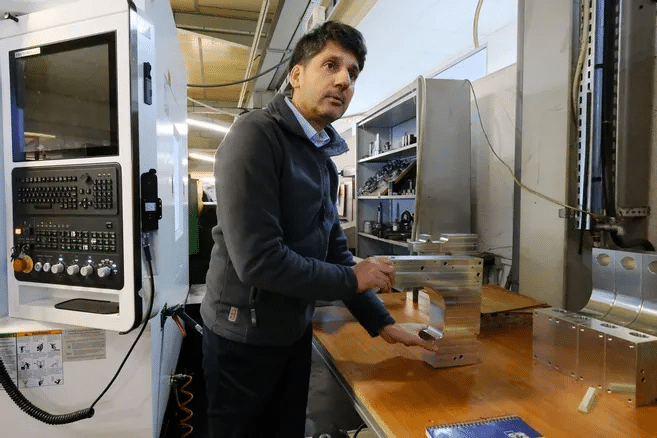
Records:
x=279, y=246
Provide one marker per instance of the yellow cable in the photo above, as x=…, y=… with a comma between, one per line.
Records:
x=521, y=185
x=584, y=39
x=475, y=24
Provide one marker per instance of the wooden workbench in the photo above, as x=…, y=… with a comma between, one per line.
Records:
x=398, y=394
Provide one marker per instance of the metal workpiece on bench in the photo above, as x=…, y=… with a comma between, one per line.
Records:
x=599, y=353
x=624, y=289
x=453, y=285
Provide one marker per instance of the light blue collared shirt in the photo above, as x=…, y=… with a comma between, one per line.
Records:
x=319, y=138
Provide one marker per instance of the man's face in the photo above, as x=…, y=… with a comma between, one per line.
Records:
x=324, y=86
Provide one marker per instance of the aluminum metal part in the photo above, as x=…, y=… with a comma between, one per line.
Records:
x=624, y=289
x=599, y=353
x=453, y=285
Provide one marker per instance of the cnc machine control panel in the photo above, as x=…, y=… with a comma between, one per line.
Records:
x=67, y=225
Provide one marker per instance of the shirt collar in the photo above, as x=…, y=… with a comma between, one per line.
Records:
x=318, y=138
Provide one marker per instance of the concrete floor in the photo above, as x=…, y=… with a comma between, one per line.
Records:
x=329, y=407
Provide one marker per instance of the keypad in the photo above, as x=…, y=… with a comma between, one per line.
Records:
x=74, y=240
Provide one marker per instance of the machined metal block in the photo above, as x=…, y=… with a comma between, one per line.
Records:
x=624, y=289
x=647, y=320
x=627, y=304
x=631, y=365
x=453, y=285
x=602, y=282
x=591, y=356
x=453, y=352
x=543, y=336
x=565, y=346
x=555, y=338
x=603, y=355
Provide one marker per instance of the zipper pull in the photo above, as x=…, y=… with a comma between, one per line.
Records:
x=254, y=322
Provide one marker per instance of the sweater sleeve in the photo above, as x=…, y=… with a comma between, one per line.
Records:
x=368, y=310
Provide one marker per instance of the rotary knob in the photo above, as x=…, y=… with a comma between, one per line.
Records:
x=46, y=267
x=57, y=268
x=86, y=271
x=73, y=270
x=104, y=271
x=38, y=266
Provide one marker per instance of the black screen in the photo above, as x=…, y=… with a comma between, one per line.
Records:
x=64, y=100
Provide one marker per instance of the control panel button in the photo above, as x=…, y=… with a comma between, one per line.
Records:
x=86, y=271
x=104, y=271
x=23, y=264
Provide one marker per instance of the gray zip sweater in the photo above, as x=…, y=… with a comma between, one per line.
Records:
x=278, y=244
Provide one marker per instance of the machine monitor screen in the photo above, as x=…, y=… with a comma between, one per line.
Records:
x=64, y=100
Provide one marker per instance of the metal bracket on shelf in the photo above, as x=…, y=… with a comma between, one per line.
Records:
x=458, y=243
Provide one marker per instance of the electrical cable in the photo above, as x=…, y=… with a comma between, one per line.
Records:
x=26, y=406
x=228, y=84
x=147, y=255
x=57, y=419
x=475, y=24
x=360, y=428
x=584, y=39
x=521, y=185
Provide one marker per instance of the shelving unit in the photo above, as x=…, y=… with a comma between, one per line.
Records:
x=436, y=189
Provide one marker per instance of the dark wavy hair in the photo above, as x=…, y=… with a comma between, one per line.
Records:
x=314, y=42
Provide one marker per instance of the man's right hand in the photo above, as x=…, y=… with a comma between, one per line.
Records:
x=376, y=273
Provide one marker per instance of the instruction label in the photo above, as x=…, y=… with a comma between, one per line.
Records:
x=39, y=358
x=84, y=344
x=8, y=354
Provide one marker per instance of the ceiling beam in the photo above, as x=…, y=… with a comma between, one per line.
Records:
x=236, y=31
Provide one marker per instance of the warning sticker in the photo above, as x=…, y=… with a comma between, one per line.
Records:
x=39, y=358
x=84, y=344
x=8, y=354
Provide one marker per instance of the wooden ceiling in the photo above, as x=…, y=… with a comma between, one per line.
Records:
x=216, y=37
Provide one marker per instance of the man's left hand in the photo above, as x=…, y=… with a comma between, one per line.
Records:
x=394, y=334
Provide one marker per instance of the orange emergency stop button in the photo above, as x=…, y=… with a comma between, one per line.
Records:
x=23, y=264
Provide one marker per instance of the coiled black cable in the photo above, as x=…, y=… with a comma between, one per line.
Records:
x=35, y=412
x=55, y=419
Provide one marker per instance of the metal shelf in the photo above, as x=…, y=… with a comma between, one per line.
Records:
x=388, y=155
x=401, y=243
x=375, y=197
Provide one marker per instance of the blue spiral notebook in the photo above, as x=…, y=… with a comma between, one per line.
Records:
x=500, y=427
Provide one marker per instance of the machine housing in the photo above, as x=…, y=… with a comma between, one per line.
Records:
x=93, y=97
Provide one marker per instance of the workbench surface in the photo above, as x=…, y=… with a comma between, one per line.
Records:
x=398, y=394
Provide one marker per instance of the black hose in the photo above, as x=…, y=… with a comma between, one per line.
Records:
x=625, y=243
x=34, y=412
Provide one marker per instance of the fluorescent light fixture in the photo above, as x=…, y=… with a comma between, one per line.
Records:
x=207, y=125
x=201, y=157
x=38, y=134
